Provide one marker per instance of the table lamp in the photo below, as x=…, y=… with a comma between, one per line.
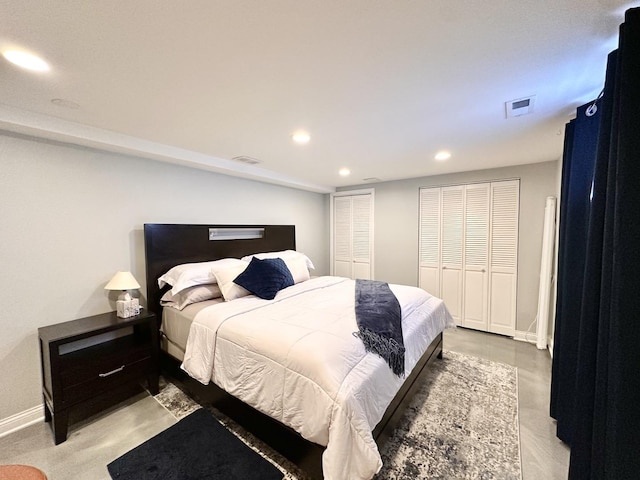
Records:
x=126, y=306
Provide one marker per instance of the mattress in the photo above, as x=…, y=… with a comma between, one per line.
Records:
x=176, y=324
x=295, y=358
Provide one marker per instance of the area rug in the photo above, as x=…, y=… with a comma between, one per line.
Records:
x=198, y=447
x=462, y=424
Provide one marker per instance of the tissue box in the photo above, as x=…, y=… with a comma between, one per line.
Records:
x=127, y=308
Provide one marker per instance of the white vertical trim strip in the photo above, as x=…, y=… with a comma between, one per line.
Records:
x=546, y=272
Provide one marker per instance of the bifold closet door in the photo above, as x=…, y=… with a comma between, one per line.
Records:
x=352, y=236
x=430, y=218
x=441, y=245
x=361, y=236
x=468, y=251
x=452, y=247
x=476, y=256
x=503, y=260
x=342, y=237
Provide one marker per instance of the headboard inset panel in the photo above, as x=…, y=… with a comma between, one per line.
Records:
x=168, y=245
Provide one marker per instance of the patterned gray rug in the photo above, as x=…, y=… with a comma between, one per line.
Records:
x=462, y=424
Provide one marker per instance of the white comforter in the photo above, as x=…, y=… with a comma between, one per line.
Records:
x=296, y=359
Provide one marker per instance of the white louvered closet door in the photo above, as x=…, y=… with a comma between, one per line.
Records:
x=342, y=236
x=503, y=261
x=429, y=248
x=468, y=252
x=452, y=246
x=476, y=256
x=361, y=237
x=353, y=236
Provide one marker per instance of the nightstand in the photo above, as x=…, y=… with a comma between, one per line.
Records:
x=90, y=357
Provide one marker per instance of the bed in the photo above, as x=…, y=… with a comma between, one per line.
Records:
x=272, y=355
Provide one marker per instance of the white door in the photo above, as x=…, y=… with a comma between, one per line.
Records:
x=342, y=236
x=429, y=269
x=503, y=261
x=476, y=256
x=452, y=244
x=352, y=231
x=361, y=236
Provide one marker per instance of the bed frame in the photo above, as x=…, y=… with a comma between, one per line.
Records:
x=168, y=245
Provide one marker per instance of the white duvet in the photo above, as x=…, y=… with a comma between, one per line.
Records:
x=295, y=358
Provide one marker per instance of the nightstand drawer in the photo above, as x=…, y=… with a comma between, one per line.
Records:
x=105, y=380
x=101, y=360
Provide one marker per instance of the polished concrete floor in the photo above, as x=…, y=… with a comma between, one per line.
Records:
x=91, y=444
x=95, y=442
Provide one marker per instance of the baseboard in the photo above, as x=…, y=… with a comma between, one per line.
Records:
x=21, y=420
x=521, y=336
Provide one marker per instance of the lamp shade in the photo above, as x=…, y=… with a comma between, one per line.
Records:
x=122, y=281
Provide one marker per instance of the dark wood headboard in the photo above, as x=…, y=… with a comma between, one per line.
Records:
x=168, y=245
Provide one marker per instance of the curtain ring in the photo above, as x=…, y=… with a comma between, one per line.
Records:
x=593, y=108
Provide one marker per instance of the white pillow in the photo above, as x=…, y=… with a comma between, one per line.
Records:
x=284, y=254
x=197, y=293
x=190, y=274
x=225, y=275
x=298, y=268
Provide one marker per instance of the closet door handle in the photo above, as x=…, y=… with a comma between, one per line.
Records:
x=444, y=267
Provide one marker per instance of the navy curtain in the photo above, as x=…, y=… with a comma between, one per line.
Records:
x=596, y=367
x=581, y=140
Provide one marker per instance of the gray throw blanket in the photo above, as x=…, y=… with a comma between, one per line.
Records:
x=379, y=318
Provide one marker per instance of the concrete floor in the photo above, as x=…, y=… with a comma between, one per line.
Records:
x=91, y=444
x=95, y=442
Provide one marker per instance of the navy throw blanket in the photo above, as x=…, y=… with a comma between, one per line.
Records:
x=379, y=318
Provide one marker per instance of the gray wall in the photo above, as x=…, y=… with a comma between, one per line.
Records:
x=71, y=217
x=396, y=226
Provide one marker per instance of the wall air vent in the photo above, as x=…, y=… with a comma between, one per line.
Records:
x=246, y=160
x=520, y=106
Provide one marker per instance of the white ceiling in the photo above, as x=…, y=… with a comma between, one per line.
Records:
x=381, y=85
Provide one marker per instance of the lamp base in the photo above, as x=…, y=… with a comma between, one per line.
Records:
x=124, y=296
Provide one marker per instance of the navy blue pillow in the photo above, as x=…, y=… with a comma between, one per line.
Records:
x=265, y=278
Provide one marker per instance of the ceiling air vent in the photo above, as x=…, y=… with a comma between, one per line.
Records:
x=520, y=106
x=246, y=160
x=371, y=179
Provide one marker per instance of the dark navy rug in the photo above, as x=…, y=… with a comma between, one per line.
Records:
x=198, y=447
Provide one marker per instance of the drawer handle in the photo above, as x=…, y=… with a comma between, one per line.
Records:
x=111, y=372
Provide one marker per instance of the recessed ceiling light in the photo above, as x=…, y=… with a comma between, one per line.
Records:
x=26, y=60
x=443, y=155
x=344, y=172
x=301, y=137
